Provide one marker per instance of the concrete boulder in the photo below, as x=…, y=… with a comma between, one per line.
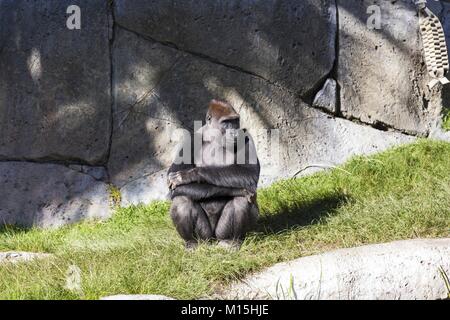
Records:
x=54, y=82
x=400, y=270
x=18, y=257
x=381, y=72
x=290, y=43
x=326, y=98
x=49, y=195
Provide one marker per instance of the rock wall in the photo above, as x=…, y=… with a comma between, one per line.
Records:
x=81, y=109
x=381, y=72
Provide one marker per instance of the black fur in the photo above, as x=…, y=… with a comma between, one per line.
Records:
x=203, y=191
x=216, y=204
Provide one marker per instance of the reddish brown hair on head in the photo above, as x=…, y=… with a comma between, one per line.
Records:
x=221, y=111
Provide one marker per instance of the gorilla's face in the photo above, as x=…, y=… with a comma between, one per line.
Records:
x=225, y=131
x=222, y=123
x=230, y=129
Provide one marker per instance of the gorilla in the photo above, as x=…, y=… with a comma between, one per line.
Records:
x=213, y=190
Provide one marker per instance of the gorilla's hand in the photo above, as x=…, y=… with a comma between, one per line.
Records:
x=179, y=178
x=251, y=196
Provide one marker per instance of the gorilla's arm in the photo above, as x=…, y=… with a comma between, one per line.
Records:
x=234, y=176
x=203, y=191
x=239, y=176
x=179, y=167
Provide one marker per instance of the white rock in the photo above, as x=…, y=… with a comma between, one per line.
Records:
x=398, y=270
x=326, y=98
x=16, y=257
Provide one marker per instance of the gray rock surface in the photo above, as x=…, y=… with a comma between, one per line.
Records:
x=381, y=73
x=54, y=82
x=438, y=133
x=98, y=173
x=159, y=89
x=399, y=270
x=319, y=139
x=16, y=257
x=291, y=43
x=326, y=98
x=137, y=297
x=49, y=195
x=145, y=189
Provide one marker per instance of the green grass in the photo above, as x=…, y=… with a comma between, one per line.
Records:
x=399, y=194
x=446, y=119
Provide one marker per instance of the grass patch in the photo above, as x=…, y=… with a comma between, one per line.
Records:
x=399, y=194
x=115, y=195
x=446, y=119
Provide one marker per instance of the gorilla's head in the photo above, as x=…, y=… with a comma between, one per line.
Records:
x=221, y=117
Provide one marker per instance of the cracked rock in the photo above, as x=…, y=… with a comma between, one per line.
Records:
x=98, y=173
x=288, y=42
x=381, y=72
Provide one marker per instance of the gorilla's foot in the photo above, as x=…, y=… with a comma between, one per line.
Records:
x=231, y=245
x=191, y=245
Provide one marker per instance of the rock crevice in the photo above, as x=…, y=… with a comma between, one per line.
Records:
x=199, y=55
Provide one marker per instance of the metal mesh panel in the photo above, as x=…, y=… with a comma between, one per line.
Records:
x=435, y=48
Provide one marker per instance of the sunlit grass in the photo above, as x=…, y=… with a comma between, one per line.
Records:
x=446, y=120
